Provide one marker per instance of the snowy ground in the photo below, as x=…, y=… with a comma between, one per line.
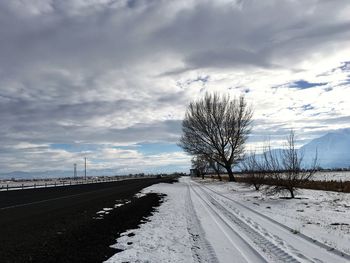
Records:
x=332, y=176
x=226, y=222
x=328, y=176
x=322, y=215
x=165, y=237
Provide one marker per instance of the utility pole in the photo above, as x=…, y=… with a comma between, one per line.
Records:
x=85, y=168
x=75, y=171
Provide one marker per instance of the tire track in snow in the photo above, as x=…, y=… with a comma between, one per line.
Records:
x=329, y=249
x=247, y=251
x=250, y=235
x=202, y=251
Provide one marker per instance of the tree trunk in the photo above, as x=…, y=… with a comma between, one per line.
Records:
x=231, y=178
x=219, y=176
x=202, y=175
x=256, y=187
x=291, y=193
x=216, y=168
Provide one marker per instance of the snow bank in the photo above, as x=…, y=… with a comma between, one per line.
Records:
x=164, y=238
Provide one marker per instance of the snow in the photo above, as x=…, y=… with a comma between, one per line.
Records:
x=332, y=176
x=312, y=213
x=139, y=195
x=211, y=221
x=107, y=210
x=165, y=237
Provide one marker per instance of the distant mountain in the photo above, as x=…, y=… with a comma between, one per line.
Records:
x=333, y=149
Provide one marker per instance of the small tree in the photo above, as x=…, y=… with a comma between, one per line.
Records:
x=200, y=163
x=217, y=128
x=254, y=169
x=286, y=169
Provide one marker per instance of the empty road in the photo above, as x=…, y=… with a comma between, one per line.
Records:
x=57, y=225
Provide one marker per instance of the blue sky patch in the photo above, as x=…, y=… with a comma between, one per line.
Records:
x=303, y=84
x=345, y=66
x=307, y=107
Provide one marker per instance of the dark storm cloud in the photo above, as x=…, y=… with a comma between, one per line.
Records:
x=23, y=111
x=254, y=33
x=226, y=58
x=207, y=33
x=70, y=35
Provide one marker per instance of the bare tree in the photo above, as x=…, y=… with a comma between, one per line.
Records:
x=271, y=164
x=254, y=169
x=200, y=163
x=217, y=127
x=286, y=169
x=217, y=168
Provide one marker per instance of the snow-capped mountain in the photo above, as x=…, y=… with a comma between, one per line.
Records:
x=333, y=149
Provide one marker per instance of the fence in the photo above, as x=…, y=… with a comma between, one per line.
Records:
x=68, y=182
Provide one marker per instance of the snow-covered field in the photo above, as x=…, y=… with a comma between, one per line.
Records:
x=53, y=182
x=335, y=176
x=330, y=176
x=19, y=184
x=212, y=221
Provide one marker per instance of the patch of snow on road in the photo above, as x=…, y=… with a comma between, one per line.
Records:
x=139, y=195
x=164, y=238
x=107, y=210
x=119, y=203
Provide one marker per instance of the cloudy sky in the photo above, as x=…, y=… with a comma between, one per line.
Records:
x=110, y=79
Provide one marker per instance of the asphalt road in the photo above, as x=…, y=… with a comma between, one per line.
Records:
x=57, y=225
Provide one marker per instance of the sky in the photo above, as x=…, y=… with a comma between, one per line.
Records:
x=110, y=79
